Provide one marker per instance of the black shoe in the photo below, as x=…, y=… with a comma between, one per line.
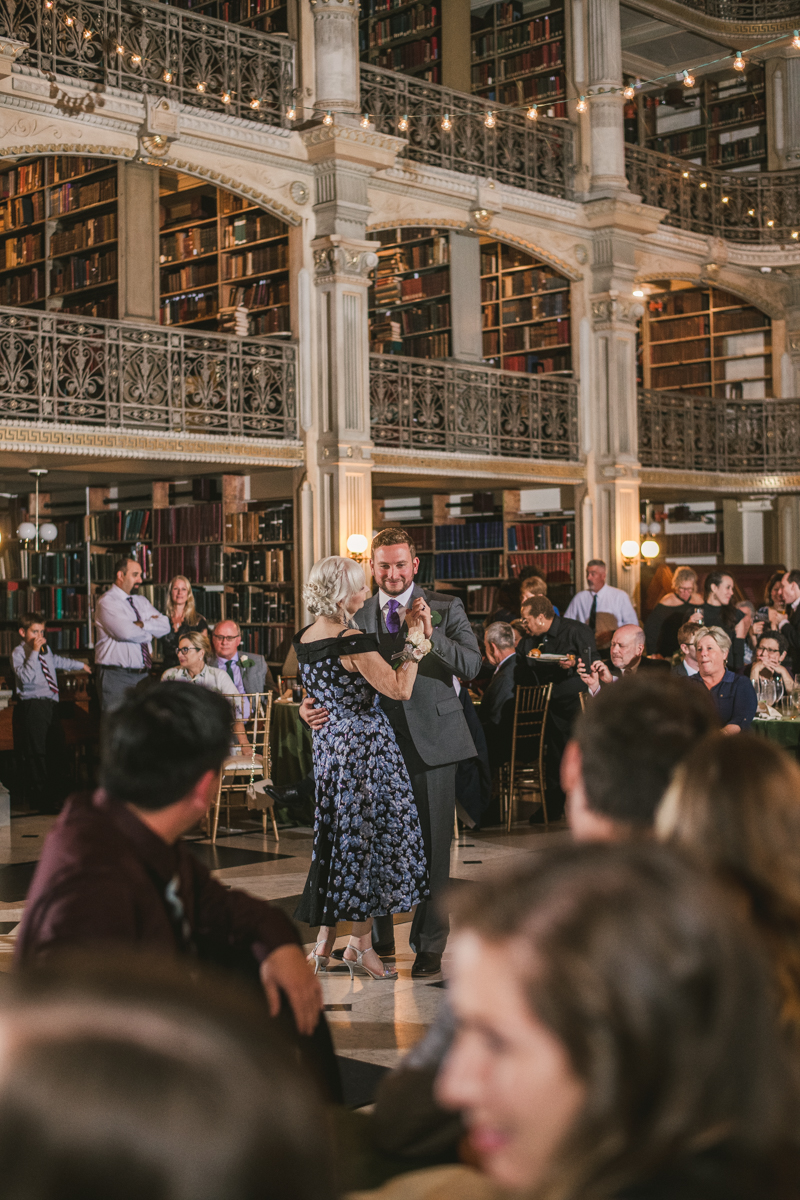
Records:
x=386, y=951
x=426, y=964
x=287, y=797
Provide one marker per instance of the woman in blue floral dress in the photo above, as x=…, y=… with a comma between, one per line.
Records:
x=368, y=858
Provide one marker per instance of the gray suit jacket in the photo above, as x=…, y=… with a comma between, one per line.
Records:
x=257, y=678
x=434, y=713
x=499, y=691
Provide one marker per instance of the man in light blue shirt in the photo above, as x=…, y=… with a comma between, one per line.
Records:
x=126, y=624
x=600, y=597
x=38, y=738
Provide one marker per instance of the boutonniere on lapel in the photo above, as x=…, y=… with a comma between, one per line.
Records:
x=436, y=618
x=245, y=662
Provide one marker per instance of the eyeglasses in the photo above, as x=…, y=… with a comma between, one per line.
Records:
x=185, y=649
x=226, y=637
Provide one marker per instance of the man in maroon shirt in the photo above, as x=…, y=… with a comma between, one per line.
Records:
x=114, y=870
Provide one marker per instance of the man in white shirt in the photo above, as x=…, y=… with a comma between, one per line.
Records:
x=600, y=597
x=126, y=625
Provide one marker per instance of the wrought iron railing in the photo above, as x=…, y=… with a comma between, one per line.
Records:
x=421, y=404
x=157, y=49
x=745, y=10
x=73, y=370
x=699, y=433
x=513, y=150
x=762, y=208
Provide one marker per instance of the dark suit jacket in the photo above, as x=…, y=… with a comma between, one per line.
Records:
x=792, y=634
x=436, y=721
x=497, y=712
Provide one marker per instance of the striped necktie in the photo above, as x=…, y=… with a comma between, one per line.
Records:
x=48, y=674
x=147, y=658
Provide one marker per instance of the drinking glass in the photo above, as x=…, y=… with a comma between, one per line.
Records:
x=768, y=693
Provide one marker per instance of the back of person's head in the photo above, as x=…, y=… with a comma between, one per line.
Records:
x=632, y=736
x=735, y=806
x=793, y=576
x=687, y=634
x=538, y=606
x=657, y=992
x=112, y=1096
x=161, y=741
x=331, y=583
x=529, y=573
x=500, y=634
x=534, y=587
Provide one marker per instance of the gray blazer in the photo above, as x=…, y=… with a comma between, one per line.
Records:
x=499, y=691
x=257, y=678
x=434, y=713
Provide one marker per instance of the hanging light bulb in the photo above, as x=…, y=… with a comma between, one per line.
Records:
x=725, y=199
x=688, y=80
x=167, y=76
x=255, y=103
x=738, y=63
x=328, y=118
x=490, y=120
x=795, y=234
x=291, y=113
x=582, y=106
x=751, y=212
x=365, y=121
x=136, y=58
x=533, y=113
x=87, y=33
x=201, y=86
x=48, y=3
x=628, y=92
x=120, y=48
x=69, y=20
x=770, y=224
x=685, y=174
x=226, y=97
x=796, y=39
x=447, y=124
x=704, y=185
x=402, y=124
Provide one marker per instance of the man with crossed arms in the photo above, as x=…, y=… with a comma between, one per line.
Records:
x=126, y=625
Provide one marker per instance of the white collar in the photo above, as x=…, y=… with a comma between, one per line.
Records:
x=599, y=590
x=690, y=670
x=401, y=600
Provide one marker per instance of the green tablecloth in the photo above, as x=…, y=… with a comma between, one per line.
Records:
x=785, y=733
x=290, y=740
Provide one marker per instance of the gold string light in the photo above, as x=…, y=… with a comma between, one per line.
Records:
x=738, y=63
x=447, y=124
x=581, y=106
x=796, y=39
x=365, y=121
x=226, y=97
x=402, y=124
x=328, y=118
x=490, y=120
x=291, y=113
x=167, y=76
x=533, y=113
x=688, y=79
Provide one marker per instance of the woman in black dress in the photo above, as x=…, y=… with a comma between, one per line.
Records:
x=183, y=617
x=675, y=607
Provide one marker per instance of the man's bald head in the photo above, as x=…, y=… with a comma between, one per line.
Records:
x=227, y=637
x=627, y=646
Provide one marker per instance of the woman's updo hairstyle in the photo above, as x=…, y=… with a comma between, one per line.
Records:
x=331, y=583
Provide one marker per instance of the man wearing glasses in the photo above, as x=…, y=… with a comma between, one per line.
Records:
x=249, y=672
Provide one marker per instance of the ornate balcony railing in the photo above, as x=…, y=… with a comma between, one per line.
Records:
x=526, y=154
x=422, y=404
x=745, y=10
x=73, y=370
x=699, y=433
x=159, y=50
x=762, y=208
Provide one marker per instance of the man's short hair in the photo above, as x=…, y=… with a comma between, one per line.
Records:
x=32, y=618
x=161, y=741
x=534, y=586
x=121, y=564
x=539, y=606
x=687, y=633
x=394, y=536
x=638, y=635
x=773, y=636
x=500, y=634
x=596, y=562
x=631, y=738
x=227, y=621
x=793, y=576
x=531, y=573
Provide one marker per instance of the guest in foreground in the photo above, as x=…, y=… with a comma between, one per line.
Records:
x=114, y=871
x=368, y=858
x=183, y=618
x=735, y=807
x=126, y=625
x=733, y=695
x=624, y=750
x=38, y=736
x=616, y=1034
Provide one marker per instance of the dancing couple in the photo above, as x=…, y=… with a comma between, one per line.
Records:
x=389, y=730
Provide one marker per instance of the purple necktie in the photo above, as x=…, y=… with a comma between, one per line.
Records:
x=392, y=619
x=147, y=658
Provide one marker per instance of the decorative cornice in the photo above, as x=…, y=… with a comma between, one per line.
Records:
x=43, y=438
x=717, y=481
x=436, y=463
x=733, y=33
x=338, y=259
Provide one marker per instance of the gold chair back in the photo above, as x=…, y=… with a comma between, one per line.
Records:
x=526, y=769
x=253, y=765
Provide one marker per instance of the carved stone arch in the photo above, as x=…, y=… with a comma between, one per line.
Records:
x=743, y=288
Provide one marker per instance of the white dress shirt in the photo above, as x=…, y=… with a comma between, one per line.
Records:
x=31, y=681
x=689, y=669
x=210, y=677
x=119, y=638
x=609, y=600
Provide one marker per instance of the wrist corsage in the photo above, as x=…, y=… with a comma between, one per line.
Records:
x=415, y=649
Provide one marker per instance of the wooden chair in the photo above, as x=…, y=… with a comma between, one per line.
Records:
x=240, y=771
x=583, y=697
x=526, y=768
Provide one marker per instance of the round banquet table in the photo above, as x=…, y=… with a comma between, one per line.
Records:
x=785, y=733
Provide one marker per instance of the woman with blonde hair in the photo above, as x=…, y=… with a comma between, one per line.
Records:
x=368, y=858
x=183, y=617
x=735, y=806
x=195, y=656
x=672, y=610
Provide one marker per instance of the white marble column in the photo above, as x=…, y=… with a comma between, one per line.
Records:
x=606, y=131
x=336, y=63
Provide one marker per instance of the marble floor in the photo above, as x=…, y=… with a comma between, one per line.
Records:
x=372, y=1021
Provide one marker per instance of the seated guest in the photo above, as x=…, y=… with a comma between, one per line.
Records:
x=533, y=586
x=183, y=617
x=497, y=702
x=735, y=807
x=677, y=602
x=549, y=634
x=684, y=664
x=38, y=736
x=249, y=671
x=749, y=639
x=114, y=871
x=733, y=695
x=789, y=623
x=627, y=657
x=624, y=750
x=520, y=630
x=771, y=650
x=194, y=652
x=616, y=1034
x=506, y=604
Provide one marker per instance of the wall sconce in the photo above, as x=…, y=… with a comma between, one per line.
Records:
x=631, y=551
x=357, y=546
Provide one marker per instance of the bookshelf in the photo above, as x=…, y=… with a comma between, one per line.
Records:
x=265, y=16
x=518, y=54
x=525, y=311
x=720, y=122
x=404, y=37
x=707, y=341
x=409, y=296
x=58, y=228
x=216, y=251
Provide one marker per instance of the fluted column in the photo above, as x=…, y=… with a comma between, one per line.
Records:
x=784, y=82
x=606, y=131
x=336, y=64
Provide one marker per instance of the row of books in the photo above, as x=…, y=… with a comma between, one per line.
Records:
x=679, y=143
x=200, y=306
x=195, y=275
x=419, y=286
x=177, y=247
x=472, y=535
x=24, y=178
x=541, y=535
x=677, y=352
x=123, y=526
x=21, y=289
x=539, y=58
x=196, y=207
x=275, y=320
x=482, y=599
x=56, y=603
x=739, y=151
x=256, y=606
x=88, y=233
x=274, y=643
x=526, y=337
x=692, y=543
x=679, y=304
x=103, y=305
x=251, y=228
x=67, y=167
x=532, y=308
x=265, y=293
x=71, y=637
x=24, y=249
x=201, y=564
x=683, y=327
x=558, y=566
x=64, y=567
x=682, y=376
x=428, y=253
x=187, y=524
x=488, y=565
x=79, y=272
x=429, y=316
x=538, y=30
x=403, y=23
x=414, y=54
x=71, y=534
x=748, y=109
x=257, y=566
x=245, y=10
x=425, y=576
x=518, y=283
x=16, y=214
x=434, y=345
x=273, y=525
x=534, y=364
x=273, y=257
x=738, y=319
x=72, y=196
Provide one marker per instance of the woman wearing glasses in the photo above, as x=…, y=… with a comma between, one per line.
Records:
x=194, y=654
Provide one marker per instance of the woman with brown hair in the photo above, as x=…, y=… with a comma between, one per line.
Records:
x=734, y=804
x=183, y=617
x=676, y=606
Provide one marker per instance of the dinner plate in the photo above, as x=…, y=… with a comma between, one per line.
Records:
x=549, y=657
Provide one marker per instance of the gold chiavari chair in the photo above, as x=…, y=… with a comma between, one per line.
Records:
x=243, y=773
x=526, y=768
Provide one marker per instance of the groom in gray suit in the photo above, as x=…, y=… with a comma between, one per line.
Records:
x=430, y=728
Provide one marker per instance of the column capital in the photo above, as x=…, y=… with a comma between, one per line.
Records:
x=339, y=259
x=615, y=312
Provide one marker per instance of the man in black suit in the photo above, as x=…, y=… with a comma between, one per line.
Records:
x=789, y=625
x=497, y=702
x=554, y=635
x=627, y=658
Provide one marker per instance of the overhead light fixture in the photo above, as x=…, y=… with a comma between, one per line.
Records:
x=738, y=63
x=581, y=106
x=490, y=120
x=402, y=124
x=688, y=80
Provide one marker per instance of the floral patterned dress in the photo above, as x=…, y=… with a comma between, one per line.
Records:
x=368, y=858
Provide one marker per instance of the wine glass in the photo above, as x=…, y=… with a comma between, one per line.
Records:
x=768, y=693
